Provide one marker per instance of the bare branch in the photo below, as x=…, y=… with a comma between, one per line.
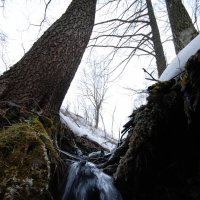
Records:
x=124, y=21
x=44, y=19
x=122, y=47
x=150, y=74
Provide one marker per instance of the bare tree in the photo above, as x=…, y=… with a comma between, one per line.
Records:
x=94, y=85
x=4, y=60
x=135, y=30
x=43, y=76
x=183, y=29
x=196, y=12
x=157, y=44
x=113, y=119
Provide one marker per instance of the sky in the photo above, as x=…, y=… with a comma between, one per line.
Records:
x=15, y=20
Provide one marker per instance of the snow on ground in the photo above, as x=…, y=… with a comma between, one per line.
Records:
x=178, y=63
x=80, y=127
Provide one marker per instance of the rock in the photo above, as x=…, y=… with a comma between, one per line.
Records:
x=27, y=157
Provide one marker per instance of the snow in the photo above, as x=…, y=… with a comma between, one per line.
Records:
x=178, y=63
x=80, y=127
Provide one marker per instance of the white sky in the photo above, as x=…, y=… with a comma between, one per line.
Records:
x=15, y=20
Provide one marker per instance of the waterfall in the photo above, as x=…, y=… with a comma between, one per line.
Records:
x=86, y=182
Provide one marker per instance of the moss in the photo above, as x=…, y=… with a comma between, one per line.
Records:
x=154, y=135
x=161, y=86
x=26, y=154
x=162, y=157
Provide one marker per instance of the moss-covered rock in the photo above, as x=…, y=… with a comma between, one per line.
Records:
x=31, y=163
x=27, y=155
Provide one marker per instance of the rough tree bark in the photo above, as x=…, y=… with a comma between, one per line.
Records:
x=42, y=77
x=183, y=29
x=159, y=52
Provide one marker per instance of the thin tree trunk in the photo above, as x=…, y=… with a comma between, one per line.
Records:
x=183, y=30
x=159, y=53
x=42, y=77
x=97, y=113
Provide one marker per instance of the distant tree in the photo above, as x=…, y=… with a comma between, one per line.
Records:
x=135, y=29
x=183, y=29
x=2, y=3
x=93, y=86
x=3, y=41
x=42, y=77
x=157, y=43
x=2, y=37
x=196, y=12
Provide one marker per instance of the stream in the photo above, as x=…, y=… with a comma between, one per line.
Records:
x=86, y=182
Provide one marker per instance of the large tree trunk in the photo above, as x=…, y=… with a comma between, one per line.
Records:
x=42, y=77
x=183, y=30
x=159, y=53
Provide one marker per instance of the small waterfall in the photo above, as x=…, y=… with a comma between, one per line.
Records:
x=86, y=182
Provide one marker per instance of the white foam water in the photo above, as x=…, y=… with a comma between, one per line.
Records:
x=86, y=182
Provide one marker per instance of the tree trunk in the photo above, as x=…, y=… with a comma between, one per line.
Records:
x=183, y=30
x=97, y=113
x=159, y=53
x=42, y=77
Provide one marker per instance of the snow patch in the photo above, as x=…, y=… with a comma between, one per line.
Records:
x=178, y=63
x=81, y=128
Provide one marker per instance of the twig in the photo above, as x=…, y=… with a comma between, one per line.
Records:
x=73, y=157
x=150, y=74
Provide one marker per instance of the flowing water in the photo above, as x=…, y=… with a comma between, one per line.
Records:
x=87, y=182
